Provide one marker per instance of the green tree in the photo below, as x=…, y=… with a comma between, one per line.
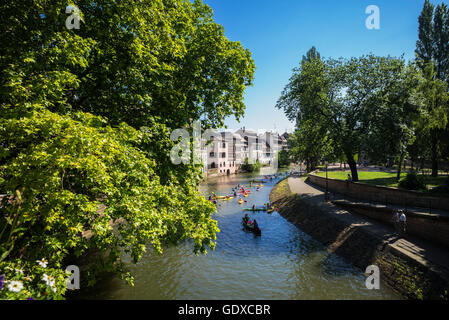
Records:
x=424, y=45
x=251, y=167
x=432, y=97
x=334, y=102
x=433, y=47
x=391, y=126
x=85, y=122
x=305, y=100
x=283, y=158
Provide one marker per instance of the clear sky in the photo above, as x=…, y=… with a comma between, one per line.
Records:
x=279, y=32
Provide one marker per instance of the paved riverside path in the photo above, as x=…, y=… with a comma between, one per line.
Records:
x=423, y=251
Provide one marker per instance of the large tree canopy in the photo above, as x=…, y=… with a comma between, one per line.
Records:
x=85, y=119
x=337, y=104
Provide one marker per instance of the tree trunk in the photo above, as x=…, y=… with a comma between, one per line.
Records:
x=401, y=159
x=353, y=166
x=434, y=154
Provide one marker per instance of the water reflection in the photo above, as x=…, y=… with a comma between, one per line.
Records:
x=284, y=263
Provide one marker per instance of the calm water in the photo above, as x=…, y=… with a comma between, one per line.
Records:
x=284, y=263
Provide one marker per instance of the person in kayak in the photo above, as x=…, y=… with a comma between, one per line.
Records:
x=255, y=225
x=246, y=218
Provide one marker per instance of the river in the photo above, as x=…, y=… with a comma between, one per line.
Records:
x=284, y=263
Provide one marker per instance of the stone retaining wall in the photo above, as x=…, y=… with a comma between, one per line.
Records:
x=405, y=275
x=367, y=192
x=432, y=227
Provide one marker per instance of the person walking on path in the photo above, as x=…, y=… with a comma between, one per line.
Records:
x=395, y=220
x=403, y=223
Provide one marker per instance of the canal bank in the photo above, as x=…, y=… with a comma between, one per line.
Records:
x=363, y=242
x=284, y=263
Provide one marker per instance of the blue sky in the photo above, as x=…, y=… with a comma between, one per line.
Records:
x=279, y=32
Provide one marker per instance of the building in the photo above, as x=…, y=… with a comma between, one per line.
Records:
x=223, y=153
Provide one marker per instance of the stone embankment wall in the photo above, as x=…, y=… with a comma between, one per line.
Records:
x=432, y=227
x=406, y=276
x=367, y=192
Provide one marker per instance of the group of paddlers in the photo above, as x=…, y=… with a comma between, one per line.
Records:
x=252, y=224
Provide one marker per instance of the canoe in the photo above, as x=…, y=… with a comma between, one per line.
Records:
x=257, y=232
x=257, y=209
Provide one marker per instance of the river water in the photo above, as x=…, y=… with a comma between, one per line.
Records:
x=284, y=263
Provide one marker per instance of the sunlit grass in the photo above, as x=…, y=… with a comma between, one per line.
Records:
x=379, y=178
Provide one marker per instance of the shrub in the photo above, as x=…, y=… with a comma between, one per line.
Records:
x=251, y=167
x=412, y=181
x=443, y=188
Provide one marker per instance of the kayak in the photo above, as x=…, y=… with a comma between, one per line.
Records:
x=245, y=195
x=259, y=186
x=227, y=199
x=270, y=210
x=240, y=201
x=258, y=181
x=257, y=209
x=257, y=231
x=219, y=197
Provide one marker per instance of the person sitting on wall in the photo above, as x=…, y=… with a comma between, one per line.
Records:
x=349, y=178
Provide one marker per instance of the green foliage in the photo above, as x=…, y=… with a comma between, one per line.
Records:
x=412, y=181
x=443, y=188
x=283, y=158
x=85, y=122
x=432, y=51
x=251, y=167
x=339, y=105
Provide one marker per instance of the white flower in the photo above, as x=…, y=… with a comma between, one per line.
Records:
x=49, y=280
x=19, y=271
x=15, y=286
x=43, y=263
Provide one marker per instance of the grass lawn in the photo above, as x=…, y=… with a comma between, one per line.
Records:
x=386, y=179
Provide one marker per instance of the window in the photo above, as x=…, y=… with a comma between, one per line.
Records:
x=212, y=154
x=223, y=154
x=224, y=145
